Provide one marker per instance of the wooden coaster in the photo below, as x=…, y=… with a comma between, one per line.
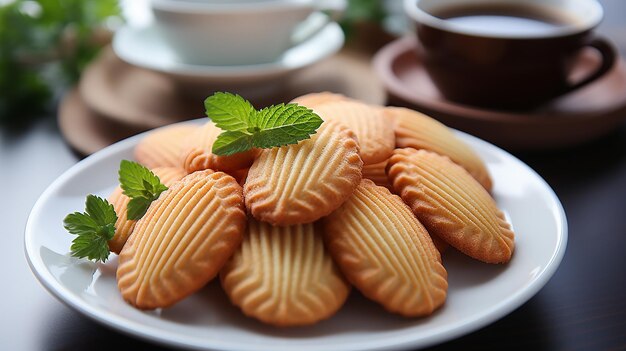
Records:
x=134, y=96
x=86, y=131
x=115, y=100
x=145, y=99
x=574, y=118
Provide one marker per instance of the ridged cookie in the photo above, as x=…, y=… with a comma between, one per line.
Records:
x=183, y=240
x=373, y=131
x=303, y=182
x=376, y=173
x=315, y=99
x=386, y=253
x=197, y=154
x=125, y=226
x=162, y=147
x=451, y=204
x=418, y=131
x=284, y=276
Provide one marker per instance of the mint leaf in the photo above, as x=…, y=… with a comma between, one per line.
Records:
x=245, y=128
x=79, y=223
x=283, y=125
x=229, y=111
x=137, y=207
x=93, y=246
x=133, y=177
x=100, y=210
x=141, y=185
x=229, y=143
x=93, y=229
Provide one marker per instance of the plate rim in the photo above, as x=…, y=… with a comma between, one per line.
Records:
x=164, y=337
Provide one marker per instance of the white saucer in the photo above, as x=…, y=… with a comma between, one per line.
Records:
x=144, y=47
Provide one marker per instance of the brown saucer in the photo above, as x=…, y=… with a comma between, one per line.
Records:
x=146, y=99
x=574, y=118
x=86, y=131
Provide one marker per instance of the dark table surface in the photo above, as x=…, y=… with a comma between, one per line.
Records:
x=583, y=307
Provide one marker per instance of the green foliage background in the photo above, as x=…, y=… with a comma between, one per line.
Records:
x=359, y=11
x=44, y=45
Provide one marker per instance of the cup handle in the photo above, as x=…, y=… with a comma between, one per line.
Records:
x=333, y=11
x=608, y=53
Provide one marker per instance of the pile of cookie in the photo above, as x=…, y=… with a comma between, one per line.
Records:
x=368, y=201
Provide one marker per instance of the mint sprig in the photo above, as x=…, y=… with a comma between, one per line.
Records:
x=93, y=229
x=141, y=186
x=246, y=128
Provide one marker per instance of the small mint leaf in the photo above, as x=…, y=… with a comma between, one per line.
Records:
x=132, y=176
x=92, y=246
x=137, y=207
x=229, y=143
x=158, y=189
x=148, y=187
x=141, y=185
x=229, y=111
x=283, y=125
x=100, y=210
x=79, y=223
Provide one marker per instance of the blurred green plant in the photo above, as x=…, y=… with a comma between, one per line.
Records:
x=44, y=46
x=359, y=11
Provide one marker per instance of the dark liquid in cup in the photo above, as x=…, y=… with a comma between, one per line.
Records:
x=506, y=20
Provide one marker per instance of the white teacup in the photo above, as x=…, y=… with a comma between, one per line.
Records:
x=238, y=32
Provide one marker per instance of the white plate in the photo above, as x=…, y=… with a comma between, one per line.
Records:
x=478, y=294
x=144, y=47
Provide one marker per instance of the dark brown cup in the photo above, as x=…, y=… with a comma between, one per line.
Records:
x=508, y=71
